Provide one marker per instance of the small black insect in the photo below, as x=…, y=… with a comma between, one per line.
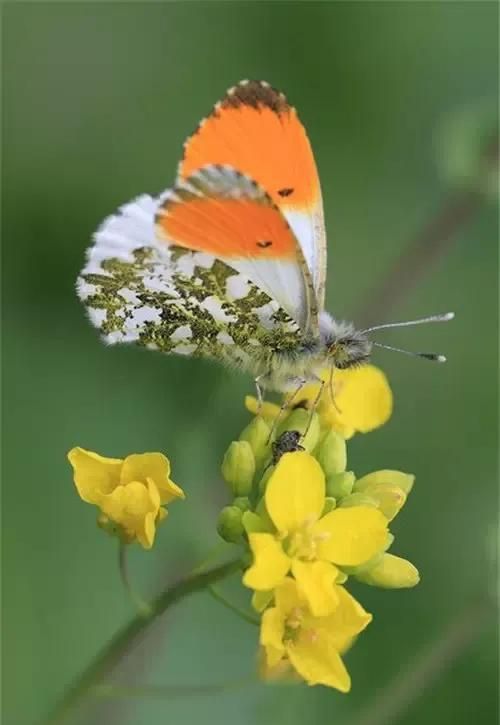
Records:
x=288, y=442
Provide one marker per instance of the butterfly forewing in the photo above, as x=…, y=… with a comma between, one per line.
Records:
x=176, y=300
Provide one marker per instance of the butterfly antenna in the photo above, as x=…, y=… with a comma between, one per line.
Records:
x=446, y=317
x=426, y=355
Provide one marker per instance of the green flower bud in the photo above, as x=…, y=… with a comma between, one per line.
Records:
x=331, y=453
x=390, y=499
x=238, y=467
x=242, y=502
x=390, y=572
x=298, y=419
x=265, y=478
x=330, y=504
x=257, y=433
x=394, y=478
x=358, y=499
x=230, y=525
x=253, y=523
x=340, y=485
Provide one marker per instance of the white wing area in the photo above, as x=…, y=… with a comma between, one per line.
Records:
x=139, y=290
x=309, y=229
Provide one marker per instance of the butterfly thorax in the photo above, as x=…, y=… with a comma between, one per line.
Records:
x=339, y=345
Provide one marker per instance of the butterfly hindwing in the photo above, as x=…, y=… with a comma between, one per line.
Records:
x=176, y=300
x=255, y=130
x=222, y=212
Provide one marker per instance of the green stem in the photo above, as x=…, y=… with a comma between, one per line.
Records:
x=141, y=605
x=125, y=638
x=219, y=597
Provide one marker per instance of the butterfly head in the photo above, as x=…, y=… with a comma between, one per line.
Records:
x=344, y=346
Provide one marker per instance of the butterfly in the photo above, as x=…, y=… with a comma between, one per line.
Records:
x=230, y=263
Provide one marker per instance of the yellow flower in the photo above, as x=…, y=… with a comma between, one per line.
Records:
x=129, y=492
x=362, y=400
x=307, y=543
x=313, y=645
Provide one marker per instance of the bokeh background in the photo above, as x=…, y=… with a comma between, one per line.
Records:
x=98, y=99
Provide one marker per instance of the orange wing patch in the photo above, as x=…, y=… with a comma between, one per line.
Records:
x=227, y=215
x=255, y=130
x=228, y=228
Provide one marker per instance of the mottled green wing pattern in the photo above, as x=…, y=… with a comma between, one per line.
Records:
x=139, y=290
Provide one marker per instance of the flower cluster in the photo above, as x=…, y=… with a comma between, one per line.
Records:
x=309, y=524
x=305, y=523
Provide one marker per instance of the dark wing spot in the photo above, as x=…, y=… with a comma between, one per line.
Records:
x=285, y=192
x=265, y=244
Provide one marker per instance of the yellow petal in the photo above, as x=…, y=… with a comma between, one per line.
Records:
x=94, y=475
x=140, y=466
x=268, y=411
x=346, y=621
x=363, y=397
x=283, y=671
x=295, y=492
x=134, y=507
x=272, y=630
x=288, y=598
x=315, y=581
x=270, y=565
x=350, y=536
x=318, y=662
x=146, y=533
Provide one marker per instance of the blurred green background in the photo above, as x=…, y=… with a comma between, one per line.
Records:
x=98, y=99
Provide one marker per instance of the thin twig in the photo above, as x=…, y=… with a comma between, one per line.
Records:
x=219, y=597
x=399, y=694
x=140, y=604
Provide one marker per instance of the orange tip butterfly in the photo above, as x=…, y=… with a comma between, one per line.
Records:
x=230, y=263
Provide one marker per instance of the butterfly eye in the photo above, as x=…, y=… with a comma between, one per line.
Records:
x=265, y=244
x=285, y=192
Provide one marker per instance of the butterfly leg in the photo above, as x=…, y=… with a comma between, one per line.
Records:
x=314, y=405
x=332, y=390
x=259, y=388
x=287, y=402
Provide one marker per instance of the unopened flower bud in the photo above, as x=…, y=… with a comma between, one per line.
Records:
x=242, y=502
x=340, y=485
x=330, y=504
x=230, y=525
x=394, y=478
x=390, y=572
x=390, y=499
x=265, y=478
x=257, y=434
x=331, y=453
x=238, y=467
x=358, y=499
